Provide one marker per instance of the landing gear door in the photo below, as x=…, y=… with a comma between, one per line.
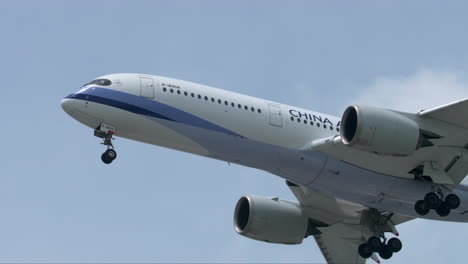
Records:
x=147, y=87
x=275, y=115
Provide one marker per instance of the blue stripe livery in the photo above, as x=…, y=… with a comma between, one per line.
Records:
x=144, y=106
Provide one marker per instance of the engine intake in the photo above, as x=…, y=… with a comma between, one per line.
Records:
x=380, y=131
x=271, y=220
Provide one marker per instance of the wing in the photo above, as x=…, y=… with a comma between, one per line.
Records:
x=454, y=113
x=450, y=168
x=444, y=159
x=345, y=227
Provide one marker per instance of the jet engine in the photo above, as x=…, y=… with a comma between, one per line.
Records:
x=381, y=131
x=271, y=220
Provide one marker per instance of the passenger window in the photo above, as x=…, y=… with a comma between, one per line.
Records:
x=246, y=107
x=305, y=121
x=324, y=126
x=164, y=89
x=172, y=90
x=185, y=93
x=292, y=118
x=298, y=120
x=206, y=98
x=199, y=96
x=239, y=105
x=212, y=99
x=318, y=124
x=226, y=102
x=219, y=101
x=233, y=104
x=259, y=111
x=178, y=91
x=311, y=123
x=192, y=94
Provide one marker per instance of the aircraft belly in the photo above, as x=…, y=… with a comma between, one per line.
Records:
x=303, y=167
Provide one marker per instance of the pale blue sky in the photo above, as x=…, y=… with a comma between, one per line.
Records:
x=59, y=203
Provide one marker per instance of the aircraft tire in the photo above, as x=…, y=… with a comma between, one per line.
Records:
x=385, y=252
x=421, y=208
x=452, y=201
x=432, y=200
x=364, y=251
x=111, y=154
x=374, y=243
x=443, y=210
x=394, y=244
x=105, y=158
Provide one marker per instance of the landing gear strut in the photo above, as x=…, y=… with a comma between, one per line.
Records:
x=110, y=154
x=435, y=200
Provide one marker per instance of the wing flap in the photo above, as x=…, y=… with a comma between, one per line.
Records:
x=339, y=245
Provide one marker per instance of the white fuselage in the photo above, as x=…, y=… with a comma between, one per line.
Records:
x=245, y=130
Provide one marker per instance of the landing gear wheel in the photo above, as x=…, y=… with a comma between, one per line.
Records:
x=394, y=244
x=385, y=252
x=452, y=201
x=105, y=158
x=443, y=210
x=108, y=156
x=111, y=154
x=432, y=200
x=374, y=244
x=421, y=208
x=364, y=251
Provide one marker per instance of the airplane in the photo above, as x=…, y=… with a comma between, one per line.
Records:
x=355, y=177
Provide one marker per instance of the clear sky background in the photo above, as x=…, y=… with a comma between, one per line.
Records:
x=60, y=203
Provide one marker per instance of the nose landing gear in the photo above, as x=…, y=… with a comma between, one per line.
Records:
x=110, y=154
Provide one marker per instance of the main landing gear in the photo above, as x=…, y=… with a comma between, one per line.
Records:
x=436, y=201
x=110, y=154
x=377, y=224
x=380, y=245
x=439, y=199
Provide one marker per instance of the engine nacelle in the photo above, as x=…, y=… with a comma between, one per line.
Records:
x=379, y=130
x=271, y=220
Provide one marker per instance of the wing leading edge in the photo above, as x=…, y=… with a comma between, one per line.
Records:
x=453, y=113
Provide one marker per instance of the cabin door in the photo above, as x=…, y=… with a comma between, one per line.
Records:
x=147, y=87
x=275, y=115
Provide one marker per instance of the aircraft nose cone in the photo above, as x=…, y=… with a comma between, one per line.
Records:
x=67, y=105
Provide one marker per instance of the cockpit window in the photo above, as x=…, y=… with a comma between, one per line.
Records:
x=102, y=82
